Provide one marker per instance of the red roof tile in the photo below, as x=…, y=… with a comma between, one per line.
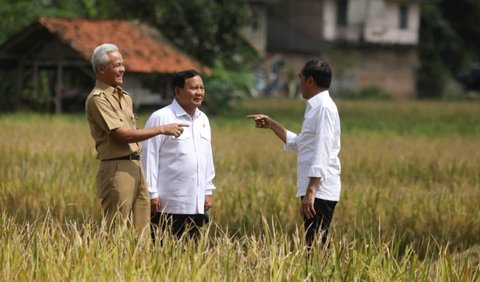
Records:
x=143, y=48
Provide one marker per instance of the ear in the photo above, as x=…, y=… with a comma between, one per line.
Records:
x=310, y=81
x=101, y=69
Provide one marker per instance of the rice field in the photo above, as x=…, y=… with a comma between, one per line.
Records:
x=408, y=211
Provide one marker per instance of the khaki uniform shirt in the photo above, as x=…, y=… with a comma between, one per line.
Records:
x=107, y=110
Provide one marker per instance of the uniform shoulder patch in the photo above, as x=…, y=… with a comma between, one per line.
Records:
x=98, y=92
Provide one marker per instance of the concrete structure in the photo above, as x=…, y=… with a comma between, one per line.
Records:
x=367, y=42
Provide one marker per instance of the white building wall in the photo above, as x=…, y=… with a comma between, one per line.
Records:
x=329, y=20
x=357, y=11
x=373, y=21
x=386, y=29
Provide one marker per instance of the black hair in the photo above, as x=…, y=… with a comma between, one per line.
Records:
x=180, y=77
x=319, y=70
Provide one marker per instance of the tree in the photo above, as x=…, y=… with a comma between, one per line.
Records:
x=208, y=30
x=14, y=15
x=205, y=29
x=447, y=42
x=463, y=15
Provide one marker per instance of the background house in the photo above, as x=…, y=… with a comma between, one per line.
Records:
x=369, y=43
x=48, y=63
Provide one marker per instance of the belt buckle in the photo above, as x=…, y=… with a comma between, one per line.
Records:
x=134, y=157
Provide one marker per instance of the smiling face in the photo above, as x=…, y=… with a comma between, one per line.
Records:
x=191, y=95
x=112, y=72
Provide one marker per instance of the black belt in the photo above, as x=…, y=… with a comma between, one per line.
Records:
x=131, y=157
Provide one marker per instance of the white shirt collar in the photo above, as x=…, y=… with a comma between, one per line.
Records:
x=179, y=111
x=317, y=99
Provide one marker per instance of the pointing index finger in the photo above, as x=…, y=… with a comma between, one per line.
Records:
x=254, y=116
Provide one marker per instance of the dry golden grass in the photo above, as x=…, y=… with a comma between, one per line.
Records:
x=408, y=209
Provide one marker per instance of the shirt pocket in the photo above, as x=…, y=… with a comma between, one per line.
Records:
x=205, y=134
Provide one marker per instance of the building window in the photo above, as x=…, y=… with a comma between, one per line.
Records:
x=403, y=17
x=342, y=6
x=255, y=23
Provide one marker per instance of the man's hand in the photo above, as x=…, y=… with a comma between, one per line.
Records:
x=307, y=210
x=261, y=121
x=173, y=129
x=208, y=202
x=265, y=122
x=154, y=205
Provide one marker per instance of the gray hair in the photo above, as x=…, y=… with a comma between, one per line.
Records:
x=99, y=56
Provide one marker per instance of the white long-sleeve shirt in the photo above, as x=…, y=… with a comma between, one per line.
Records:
x=179, y=170
x=318, y=146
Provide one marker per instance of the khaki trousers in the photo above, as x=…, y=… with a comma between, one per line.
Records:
x=121, y=188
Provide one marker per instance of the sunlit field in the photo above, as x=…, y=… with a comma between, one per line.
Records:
x=409, y=209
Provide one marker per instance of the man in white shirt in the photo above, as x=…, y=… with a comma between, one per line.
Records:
x=179, y=170
x=318, y=146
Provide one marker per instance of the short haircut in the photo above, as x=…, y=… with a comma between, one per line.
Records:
x=180, y=77
x=100, y=55
x=319, y=70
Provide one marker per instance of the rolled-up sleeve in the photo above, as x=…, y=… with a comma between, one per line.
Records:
x=324, y=139
x=291, y=142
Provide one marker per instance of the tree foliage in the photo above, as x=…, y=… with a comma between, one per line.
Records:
x=448, y=42
x=225, y=87
x=205, y=29
x=208, y=30
x=16, y=14
x=463, y=17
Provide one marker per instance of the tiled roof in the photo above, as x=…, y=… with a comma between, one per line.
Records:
x=143, y=48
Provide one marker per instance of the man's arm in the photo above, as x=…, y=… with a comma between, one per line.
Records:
x=263, y=121
x=307, y=210
x=128, y=135
x=108, y=120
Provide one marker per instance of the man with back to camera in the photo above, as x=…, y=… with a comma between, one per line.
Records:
x=318, y=146
x=180, y=170
x=109, y=109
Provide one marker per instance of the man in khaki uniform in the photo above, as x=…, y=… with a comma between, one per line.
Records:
x=120, y=179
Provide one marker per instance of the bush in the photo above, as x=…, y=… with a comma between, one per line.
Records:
x=371, y=92
x=224, y=86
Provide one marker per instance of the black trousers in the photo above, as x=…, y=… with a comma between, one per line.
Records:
x=178, y=224
x=320, y=222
